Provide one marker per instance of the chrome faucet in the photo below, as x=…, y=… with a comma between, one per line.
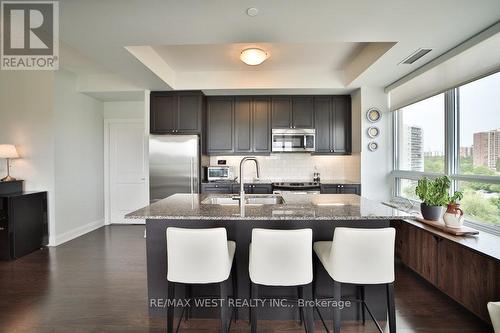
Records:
x=242, y=183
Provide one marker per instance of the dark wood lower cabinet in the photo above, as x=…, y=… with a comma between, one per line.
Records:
x=470, y=278
x=422, y=258
x=234, y=188
x=216, y=188
x=257, y=188
x=23, y=223
x=340, y=189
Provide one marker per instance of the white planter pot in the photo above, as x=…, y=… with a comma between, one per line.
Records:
x=454, y=218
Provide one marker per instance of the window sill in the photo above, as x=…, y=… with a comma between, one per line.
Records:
x=484, y=243
x=487, y=242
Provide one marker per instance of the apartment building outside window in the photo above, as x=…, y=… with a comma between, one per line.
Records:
x=455, y=133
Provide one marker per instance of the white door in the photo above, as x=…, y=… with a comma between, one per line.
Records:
x=128, y=187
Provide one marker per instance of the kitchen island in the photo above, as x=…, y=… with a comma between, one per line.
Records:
x=320, y=212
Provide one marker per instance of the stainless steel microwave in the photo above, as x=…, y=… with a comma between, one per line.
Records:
x=293, y=140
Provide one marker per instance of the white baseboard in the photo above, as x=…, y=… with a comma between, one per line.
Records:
x=129, y=221
x=76, y=232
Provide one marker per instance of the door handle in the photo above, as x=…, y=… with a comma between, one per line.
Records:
x=191, y=176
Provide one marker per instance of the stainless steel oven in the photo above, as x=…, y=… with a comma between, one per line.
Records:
x=296, y=188
x=293, y=140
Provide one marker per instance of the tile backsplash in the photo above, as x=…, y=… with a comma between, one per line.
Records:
x=297, y=167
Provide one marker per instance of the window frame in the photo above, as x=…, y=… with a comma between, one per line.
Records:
x=452, y=155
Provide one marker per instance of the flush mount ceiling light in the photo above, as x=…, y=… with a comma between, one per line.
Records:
x=253, y=56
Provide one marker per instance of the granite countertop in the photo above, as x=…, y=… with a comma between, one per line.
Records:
x=296, y=207
x=339, y=181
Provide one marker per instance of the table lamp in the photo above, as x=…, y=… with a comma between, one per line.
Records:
x=8, y=152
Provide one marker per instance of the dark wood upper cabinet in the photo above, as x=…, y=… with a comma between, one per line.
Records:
x=281, y=109
x=332, y=115
x=242, y=124
x=239, y=125
x=302, y=112
x=261, y=128
x=163, y=113
x=176, y=112
x=220, y=125
x=189, y=115
x=292, y=111
x=341, y=125
x=322, y=119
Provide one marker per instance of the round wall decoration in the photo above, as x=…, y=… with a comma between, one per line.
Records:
x=372, y=146
x=373, y=115
x=373, y=131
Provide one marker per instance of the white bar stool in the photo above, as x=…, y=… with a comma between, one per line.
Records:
x=199, y=256
x=281, y=258
x=360, y=257
x=494, y=310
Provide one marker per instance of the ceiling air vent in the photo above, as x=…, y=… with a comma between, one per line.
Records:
x=415, y=56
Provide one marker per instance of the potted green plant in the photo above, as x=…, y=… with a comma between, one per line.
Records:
x=454, y=216
x=434, y=195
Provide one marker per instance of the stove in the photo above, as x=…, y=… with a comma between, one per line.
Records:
x=297, y=186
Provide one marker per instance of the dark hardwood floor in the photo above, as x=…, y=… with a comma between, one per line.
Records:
x=97, y=283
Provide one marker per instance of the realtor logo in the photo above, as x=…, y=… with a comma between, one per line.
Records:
x=30, y=35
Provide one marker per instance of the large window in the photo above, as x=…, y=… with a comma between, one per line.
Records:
x=479, y=110
x=479, y=151
x=421, y=135
x=456, y=133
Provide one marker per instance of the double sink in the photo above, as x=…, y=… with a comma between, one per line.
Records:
x=269, y=199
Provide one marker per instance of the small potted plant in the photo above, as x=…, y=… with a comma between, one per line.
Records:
x=434, y=195
x=454, y=216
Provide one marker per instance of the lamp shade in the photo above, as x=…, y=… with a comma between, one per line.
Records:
x=8, y=151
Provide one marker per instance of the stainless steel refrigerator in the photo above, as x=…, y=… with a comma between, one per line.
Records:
x=173, y=165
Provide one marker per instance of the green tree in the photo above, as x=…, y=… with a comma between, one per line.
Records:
x=466, y=164
x=434, y=164
x=479, y=208
x=483, y=170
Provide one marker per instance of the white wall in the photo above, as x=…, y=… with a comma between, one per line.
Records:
x=375, y=166
x=298, y=167
x=79, y=165
x=26, y=120
x=124, y=110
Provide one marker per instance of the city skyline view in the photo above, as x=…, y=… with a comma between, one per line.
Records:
x=479, y=103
